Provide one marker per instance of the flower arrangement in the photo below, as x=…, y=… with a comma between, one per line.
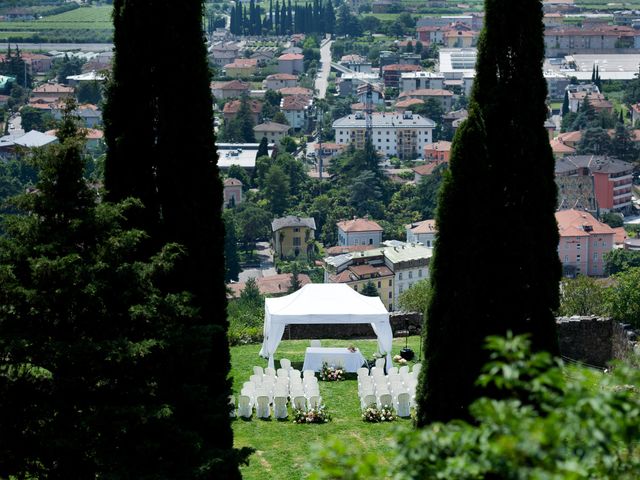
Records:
x=352, y=348
x=313, y=415
x=331, y=374
x=399, y=359
x=372, y=414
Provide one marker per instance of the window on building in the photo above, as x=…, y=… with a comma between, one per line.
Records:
x=566, y=258
x=577, y=258
x=390, y=283
x=296, y=241
x=371, y=241
x=296, y=229
x=420, y=273
x=578, y=246
x=400, y=276
x=411, y=274
x=379, y=284
x=401, y=289
x=595, y=257
x=390, y=295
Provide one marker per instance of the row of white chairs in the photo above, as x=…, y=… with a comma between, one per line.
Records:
x=400, y=403
x=263, y=405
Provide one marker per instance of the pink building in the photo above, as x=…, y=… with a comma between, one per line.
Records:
x=584, y=241
x=232, y=192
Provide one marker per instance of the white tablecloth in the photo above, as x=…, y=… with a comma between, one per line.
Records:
x=315, y=356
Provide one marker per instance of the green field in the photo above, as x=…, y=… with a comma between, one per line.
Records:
x=86, y=18
x=283, y=447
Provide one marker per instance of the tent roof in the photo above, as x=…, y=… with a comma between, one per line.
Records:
x=326, y=303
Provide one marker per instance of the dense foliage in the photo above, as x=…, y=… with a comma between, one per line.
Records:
x=178, y=184
x=552, y=421
x=485, y=282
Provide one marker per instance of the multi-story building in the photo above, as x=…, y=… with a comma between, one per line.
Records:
x=271, y=130
x=584, y=241
x=231, y=109
x=296, y=110
x=277, y=81
x=291, y=63
x=612, y=179
x=232, y=192
x=445, y=97
x=421, y=80
x=438, y=151
x=391, y=74
x=393, y=134
x=359, y=231
x=590, y=39
x=293, y=237
x=393, y=269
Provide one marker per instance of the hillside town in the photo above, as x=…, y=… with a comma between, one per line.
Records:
x=340, y=130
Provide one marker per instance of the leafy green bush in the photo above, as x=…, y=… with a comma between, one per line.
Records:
x=547, y=424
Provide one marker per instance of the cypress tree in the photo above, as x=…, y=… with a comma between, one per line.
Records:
x=283, y=19
x=263, y=148
x=502, y=158
x=565, y=103
x=329, y=18
x=276, y=23
x=289, y=26
x=178, y=182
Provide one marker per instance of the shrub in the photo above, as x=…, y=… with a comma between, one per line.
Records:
x=313, y=415
x=545, y=424
x=331, y=374
x=372, y=414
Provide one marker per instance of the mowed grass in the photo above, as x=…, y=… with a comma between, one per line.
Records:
x=85, y=18
x=283, y=448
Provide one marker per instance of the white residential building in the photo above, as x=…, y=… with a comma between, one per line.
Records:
x=421, y=80
x=359, y=231
x=422, y=232
x=393, y=134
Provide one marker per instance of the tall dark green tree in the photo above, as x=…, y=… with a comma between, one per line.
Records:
x=565, y=103
x=179, y=186
x=501, y=157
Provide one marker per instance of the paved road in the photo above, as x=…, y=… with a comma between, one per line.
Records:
x=266, y=269
x=47, y=47
x=322, y=80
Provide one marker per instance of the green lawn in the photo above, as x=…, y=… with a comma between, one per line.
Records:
x=282, y=447
x=86, y=18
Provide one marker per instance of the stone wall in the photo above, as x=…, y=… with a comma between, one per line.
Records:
x=595, y=340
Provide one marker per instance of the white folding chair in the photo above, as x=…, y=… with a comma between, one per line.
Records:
x=280, y=406
x=314, y=401
x=285, y=363
x=256, y=379
x=258, y=371
x=300, y=402
x=368, y=401
x=262, y=406
x=385, y=400
x=283, y=373
x=380, y=363
x=315, y=343
x=309, y=374
x=245, y=406
x=363, y=372
x=294, y=373
x=416, y=368
x=403, y=406
x=270, y=372
x=403, y=370
x=392, y=370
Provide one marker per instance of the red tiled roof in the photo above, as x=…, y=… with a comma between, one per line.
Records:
x=52, y=88
x=426, y=226
x=273, y=285
x=571, y=223
x=441, y=146
x=232, y=182
x=359, y=225
x=281, y=76
x=401, y=67
x=234, y=105
x=559, y=147
x=243, y=63
x=620, y=235
x=291, y=56
x=235, y=85
x=295, y=102
x=409, y=102
x=296, y=91
x=426, y=92
x=428, y=168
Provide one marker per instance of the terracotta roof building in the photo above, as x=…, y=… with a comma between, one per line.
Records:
x=584, y=241
x=230, y=109
x=359, y=231
x=422, y=232
x=273, y=285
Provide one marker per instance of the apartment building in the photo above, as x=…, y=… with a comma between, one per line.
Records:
x=393, y=134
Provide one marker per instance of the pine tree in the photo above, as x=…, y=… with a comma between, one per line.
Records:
x=263, y=148
x=369, y=289
x=329, y=18
x=501, y=157
x=276, y=24
x=185, y=204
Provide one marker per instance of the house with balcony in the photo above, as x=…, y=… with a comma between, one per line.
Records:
x=445, y=97
x=393, y=134
x=296, y=109
x=293, y=237
x=584, y=242
x=421, y=80
x=391, y=74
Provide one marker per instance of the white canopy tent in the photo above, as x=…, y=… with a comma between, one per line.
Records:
x=324, y=303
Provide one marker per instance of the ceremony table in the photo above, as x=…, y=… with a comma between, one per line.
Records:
x=315, y=356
